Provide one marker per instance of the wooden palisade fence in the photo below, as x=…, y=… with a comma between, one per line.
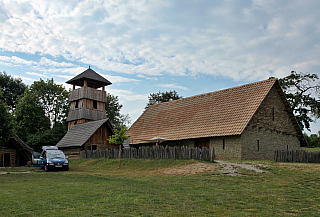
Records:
x=147, y=152
x=300, y=156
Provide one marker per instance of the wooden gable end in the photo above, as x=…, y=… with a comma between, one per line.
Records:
x=99, y=139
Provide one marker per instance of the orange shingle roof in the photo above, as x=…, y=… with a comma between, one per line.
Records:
x=220, y=113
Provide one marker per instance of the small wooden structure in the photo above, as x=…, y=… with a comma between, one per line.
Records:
x=15, y=153
x=88, y=125
x=86, y=136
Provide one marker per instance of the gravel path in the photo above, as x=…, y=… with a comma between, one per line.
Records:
x=230, y=169
x=3, y=173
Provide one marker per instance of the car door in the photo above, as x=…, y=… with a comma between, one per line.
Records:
x=37, y=161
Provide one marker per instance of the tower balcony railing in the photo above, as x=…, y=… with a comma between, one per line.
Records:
x=88, y=93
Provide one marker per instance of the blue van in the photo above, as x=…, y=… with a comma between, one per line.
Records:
x=51, y=159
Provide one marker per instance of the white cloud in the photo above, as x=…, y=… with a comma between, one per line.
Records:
x=65, y=76
x=127, y=95
x=73, y=71
x=25, y=79
x=36, y=74
x=14, y=60
x=50, y=63
x=234, y=39
x=65, y=85
x=119, y=79
x=173, y=86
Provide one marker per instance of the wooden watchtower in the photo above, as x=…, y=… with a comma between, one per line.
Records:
x=88, y=126
x=87, y=102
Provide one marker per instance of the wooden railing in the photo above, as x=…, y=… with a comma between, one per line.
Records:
x=300, y=156
x=84, y=113
x=88, y=93
x=155, y=152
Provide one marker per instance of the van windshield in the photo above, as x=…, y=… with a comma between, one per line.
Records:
x=55, y=154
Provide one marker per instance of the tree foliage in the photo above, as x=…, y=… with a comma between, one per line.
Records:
x=119, y=135
x=41, y=113
x=156, y=98
x=302, y=92
x=12, y=88
x=113, y=108
x=30, y=116
x=118, y=138
x=313, y=139
x=6, y=121
x=53, y=98
x=49, y=137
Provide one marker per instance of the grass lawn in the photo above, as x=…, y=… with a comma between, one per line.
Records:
x=96, y=187
x=311, y=149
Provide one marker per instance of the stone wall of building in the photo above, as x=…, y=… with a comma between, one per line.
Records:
x=272, y=114
x=270, y=128
x=228, y=147
x=260, y=143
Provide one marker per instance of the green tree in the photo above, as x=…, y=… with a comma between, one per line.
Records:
x=40, y=115
x=12, y=88
x=6, y=121
x=29, y=117
x=155, y=98
x=49, y=137
x=53, y=98
x=302, y=92
x=113, y=108
x=118, y=138
x=313, y=139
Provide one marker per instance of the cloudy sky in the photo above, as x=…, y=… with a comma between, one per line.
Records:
x=145, y=46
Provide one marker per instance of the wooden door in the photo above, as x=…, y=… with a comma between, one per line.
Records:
x=6, y=160
x=205, y=143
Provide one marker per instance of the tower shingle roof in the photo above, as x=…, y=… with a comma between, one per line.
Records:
x=94, y=79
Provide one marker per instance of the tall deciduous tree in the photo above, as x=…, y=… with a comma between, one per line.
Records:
x=53, y=98
x=40, y=115
x=5, y=121
x=118, y=138
x=155, y=98
x=30, y=117
x=302, y=92
x=113, y=108
x=12, y=88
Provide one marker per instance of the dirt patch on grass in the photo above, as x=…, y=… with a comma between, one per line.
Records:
x=221, y=168
x=232, y=169
x=3, y=173
x=190, y=169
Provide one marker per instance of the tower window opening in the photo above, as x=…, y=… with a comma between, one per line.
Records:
x=95, y=104
x=77, y=105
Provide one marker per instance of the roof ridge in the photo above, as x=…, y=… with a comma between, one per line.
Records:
x=223, y=90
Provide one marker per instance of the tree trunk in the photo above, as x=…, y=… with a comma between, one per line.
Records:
x=119, y=155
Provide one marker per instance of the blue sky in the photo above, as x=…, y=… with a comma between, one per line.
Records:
x=142, y=47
